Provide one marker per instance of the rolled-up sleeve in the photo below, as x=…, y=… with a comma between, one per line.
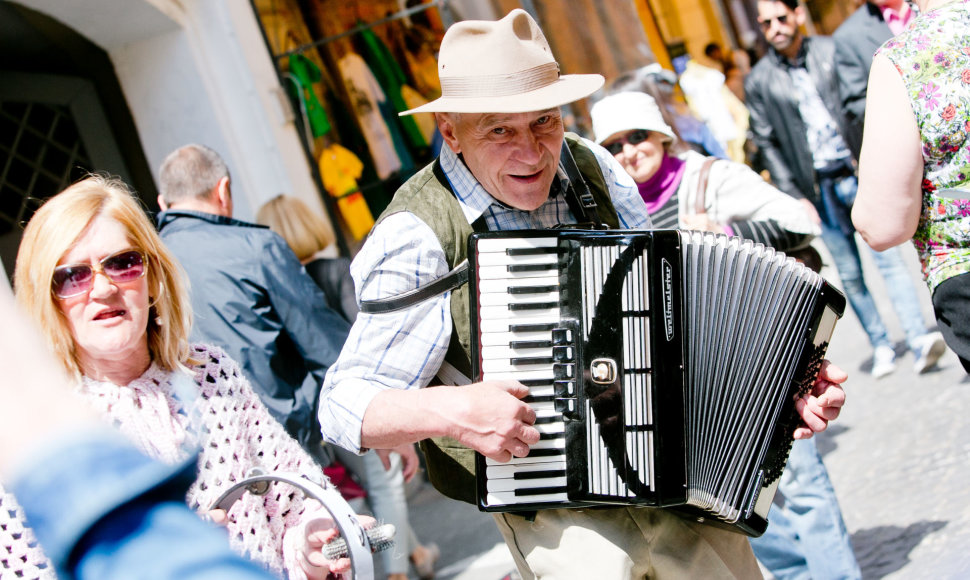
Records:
x=393, y=350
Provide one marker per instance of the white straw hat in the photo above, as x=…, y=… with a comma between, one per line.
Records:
x=627, y=111
x=503, y=66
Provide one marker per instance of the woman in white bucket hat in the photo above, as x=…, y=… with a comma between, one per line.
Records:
x=688, y=190
x=500, y=170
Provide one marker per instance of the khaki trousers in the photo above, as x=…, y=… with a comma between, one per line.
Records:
x=621, y=543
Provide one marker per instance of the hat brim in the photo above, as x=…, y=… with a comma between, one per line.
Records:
x=567, y=89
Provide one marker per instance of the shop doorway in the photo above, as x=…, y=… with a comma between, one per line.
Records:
x=62, y=115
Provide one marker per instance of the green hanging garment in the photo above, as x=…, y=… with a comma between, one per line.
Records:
x=305, y=74
x=391, y=78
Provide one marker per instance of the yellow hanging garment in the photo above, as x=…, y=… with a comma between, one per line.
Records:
x=340, y=169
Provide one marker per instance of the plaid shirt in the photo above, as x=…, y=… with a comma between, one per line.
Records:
x=404, y=350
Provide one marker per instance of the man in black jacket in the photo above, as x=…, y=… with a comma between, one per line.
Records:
x=250, y=295
x=856, y=41
x=806, y=144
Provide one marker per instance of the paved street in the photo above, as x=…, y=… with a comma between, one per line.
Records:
x=896, y=456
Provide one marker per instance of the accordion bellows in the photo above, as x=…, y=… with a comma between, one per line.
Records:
x=663, y=367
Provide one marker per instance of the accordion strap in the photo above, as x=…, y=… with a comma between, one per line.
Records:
x=450, y=281
x=578, y=196
x=700, y=200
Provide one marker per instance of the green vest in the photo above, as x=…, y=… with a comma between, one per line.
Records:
x=451, y=465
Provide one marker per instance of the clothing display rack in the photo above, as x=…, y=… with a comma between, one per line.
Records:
x=441, y=4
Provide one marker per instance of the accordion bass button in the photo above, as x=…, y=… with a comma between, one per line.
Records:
x=562, y=336
x=563, y=371
x=565, y=388
x=566, y=406
x=562, y=353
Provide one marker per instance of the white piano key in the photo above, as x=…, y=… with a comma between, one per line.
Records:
x=502, y=273
x=509, y=498
x=500, y=485
x=544, y=391
x=503, y=259
x=500, y=285
x=502, y=244
x=557, y=443
x=494, y=313
x=497, y=298
x=504, y=365
x=503, y=470
x=544, y=428
x=505, y=338
x=524, y=375
x=526, y=460
x=505, y=352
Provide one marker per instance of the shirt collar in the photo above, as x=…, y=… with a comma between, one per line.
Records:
x=472, y=197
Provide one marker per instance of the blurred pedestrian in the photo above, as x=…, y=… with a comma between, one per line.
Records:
x=856, y=41
x=688, y=190
x=251, y=297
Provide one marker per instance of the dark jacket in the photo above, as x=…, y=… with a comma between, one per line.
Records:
x=856, y=41
x=332, y=275
x=251, y=296
x=776, y=122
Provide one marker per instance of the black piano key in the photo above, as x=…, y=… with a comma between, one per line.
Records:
x=532, y=251
x=540, y=490
x=530, y=344
x=532, y=267
x=530, y=399
x=539, y=474
x=548, y=436
x=546, y=452
x=542, y=327
x=547, y=420
x=537, y=382
x=536, y=360
x=532, y=289
x=533, y=306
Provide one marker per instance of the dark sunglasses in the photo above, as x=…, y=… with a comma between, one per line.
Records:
x=766, y=23
x=76, y=279
x=634, y=138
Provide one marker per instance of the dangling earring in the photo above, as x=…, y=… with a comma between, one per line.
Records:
x=152, y=309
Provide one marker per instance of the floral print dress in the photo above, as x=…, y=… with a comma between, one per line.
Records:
x=933, y=58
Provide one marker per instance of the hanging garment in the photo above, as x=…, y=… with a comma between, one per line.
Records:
x=340, y=169
x=366, y=96
x=391, y=78
x=306, y=73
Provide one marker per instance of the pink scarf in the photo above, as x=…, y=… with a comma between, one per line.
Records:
x=657, y=190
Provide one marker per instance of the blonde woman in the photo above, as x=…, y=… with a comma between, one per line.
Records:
x=111, y=302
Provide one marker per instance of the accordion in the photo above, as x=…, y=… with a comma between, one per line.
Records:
x=662, y=365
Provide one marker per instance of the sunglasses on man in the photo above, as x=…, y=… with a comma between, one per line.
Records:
x=766, y=23
x=633, y=138
x=75, y=279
